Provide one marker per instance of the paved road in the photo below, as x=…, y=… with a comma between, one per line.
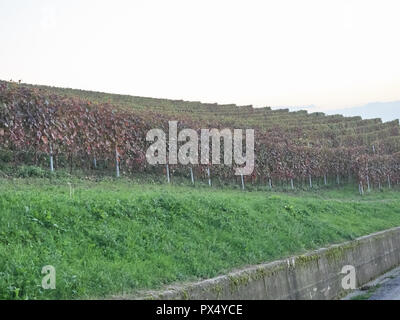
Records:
x=386, y=287
x=389, y=289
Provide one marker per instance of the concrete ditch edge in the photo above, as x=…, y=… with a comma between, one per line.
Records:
x=313, y=276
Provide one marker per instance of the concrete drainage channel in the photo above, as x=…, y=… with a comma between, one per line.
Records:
x=385, y=287
x=316, y=275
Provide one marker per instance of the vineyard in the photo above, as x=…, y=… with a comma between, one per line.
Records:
x=66, y=128
x=114, y=236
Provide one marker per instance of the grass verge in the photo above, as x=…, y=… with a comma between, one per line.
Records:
x=114, y=237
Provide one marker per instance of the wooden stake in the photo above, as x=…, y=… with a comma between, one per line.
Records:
x=361, y=188
x=168, y=177
x=71, y=190
x=191, y=174
x=117, y=162
x=51, y=159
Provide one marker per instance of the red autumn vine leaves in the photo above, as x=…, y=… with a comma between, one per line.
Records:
x=32, y=120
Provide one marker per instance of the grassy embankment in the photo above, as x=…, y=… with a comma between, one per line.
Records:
x=113, y=236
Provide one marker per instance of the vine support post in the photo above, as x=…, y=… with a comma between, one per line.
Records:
x=291, y=183
x=389, y=182
x=270, y=183
x=191, y=175
x=70, y=162
x=117, y=162
x=71, y=190
x=168, y=177
x=51, y=159
x=310, y=180
x=325, y=180
x=209, y=176
x=242, y=181
x=369, y=185
x=95, y=162
x=361, y=188
x=337, y=179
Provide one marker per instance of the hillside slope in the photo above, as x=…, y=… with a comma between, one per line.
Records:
x=115, y=237
x=81, y=127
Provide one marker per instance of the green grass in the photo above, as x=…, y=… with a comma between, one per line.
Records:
x=115, y=237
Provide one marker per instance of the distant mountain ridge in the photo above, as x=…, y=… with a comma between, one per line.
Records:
x=387, y=111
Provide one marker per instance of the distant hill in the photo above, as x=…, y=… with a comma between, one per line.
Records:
x=386, y=110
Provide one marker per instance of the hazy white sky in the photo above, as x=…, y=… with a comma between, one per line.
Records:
x=331, y=54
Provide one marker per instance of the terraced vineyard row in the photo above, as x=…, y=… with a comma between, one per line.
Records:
x=81, y=128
